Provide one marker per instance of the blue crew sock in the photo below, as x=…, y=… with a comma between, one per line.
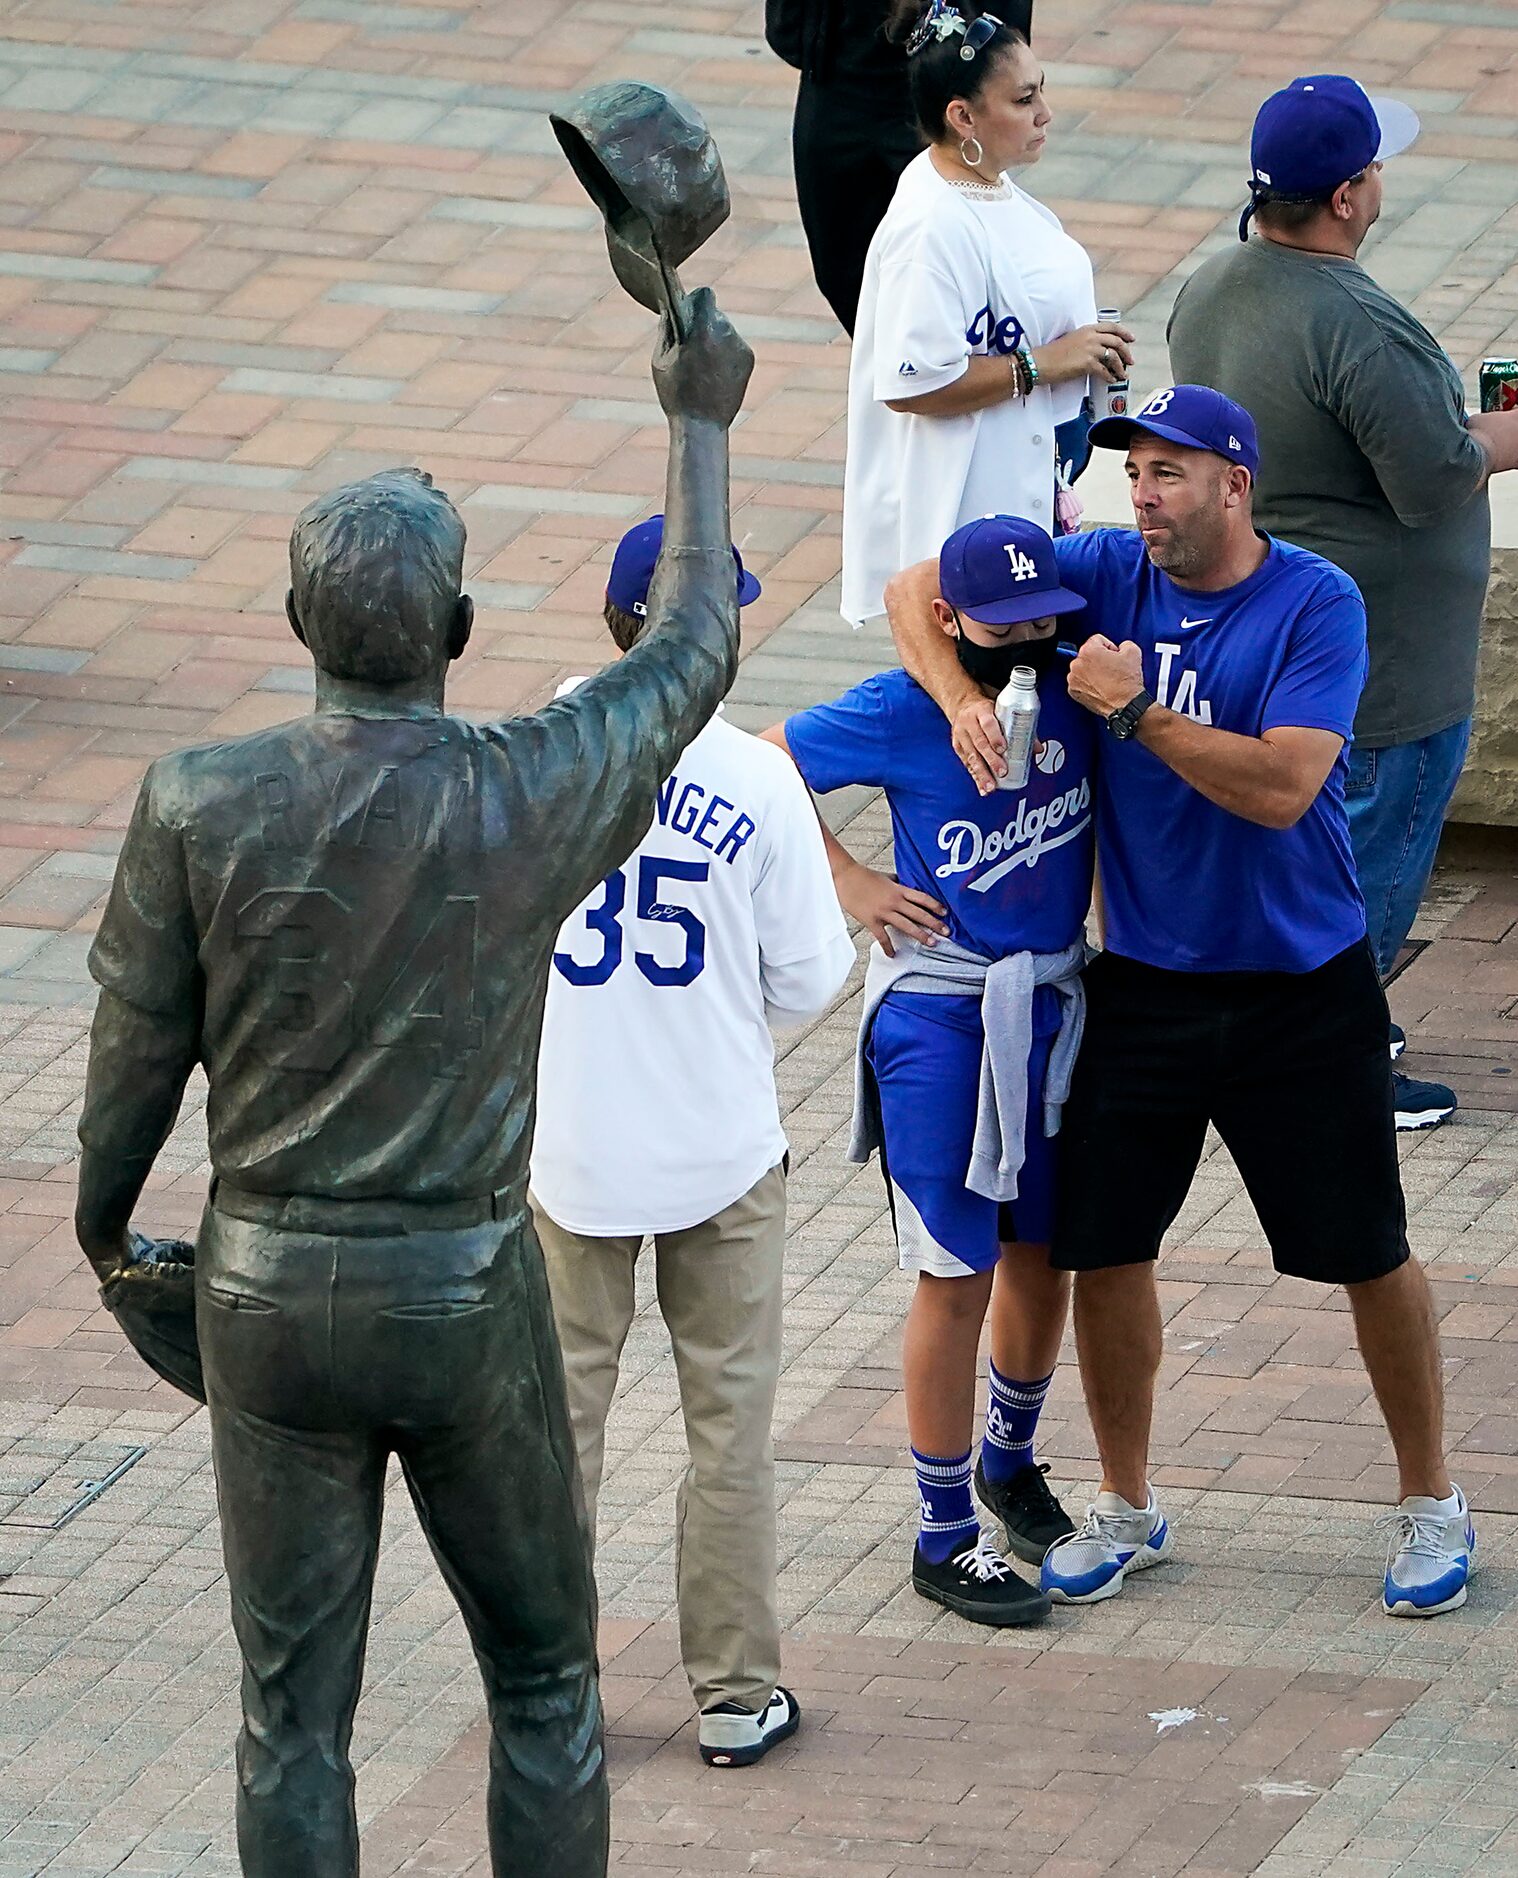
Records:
x=1011, y=1418
x=948, y=1520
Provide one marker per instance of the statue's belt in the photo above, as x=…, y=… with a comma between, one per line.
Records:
x=307, y=1212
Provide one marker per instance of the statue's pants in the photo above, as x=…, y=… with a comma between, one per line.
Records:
x=323, y=1356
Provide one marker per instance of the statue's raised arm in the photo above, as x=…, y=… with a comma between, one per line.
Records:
x=650, y=164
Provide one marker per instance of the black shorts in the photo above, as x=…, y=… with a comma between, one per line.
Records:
x=1293, y=1071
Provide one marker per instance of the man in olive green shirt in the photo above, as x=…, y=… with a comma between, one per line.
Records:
x=1367, y=458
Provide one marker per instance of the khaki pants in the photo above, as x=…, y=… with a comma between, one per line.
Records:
x=719, y=1287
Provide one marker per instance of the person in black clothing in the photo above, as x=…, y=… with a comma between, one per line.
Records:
x=853, y=133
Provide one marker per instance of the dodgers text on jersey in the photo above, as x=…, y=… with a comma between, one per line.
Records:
x=1002, y=336
x=1025, y=837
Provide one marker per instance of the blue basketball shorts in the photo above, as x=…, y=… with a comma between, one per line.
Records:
x=925, y=1055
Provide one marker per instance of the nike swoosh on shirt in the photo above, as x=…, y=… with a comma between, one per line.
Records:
x=1186, y=624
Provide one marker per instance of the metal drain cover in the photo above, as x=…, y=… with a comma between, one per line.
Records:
x=44, y=1483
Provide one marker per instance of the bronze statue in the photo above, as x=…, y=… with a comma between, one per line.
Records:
x=348, y=920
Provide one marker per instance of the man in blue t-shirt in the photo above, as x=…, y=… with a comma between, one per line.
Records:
x=973, y=1010
x=1237, y=985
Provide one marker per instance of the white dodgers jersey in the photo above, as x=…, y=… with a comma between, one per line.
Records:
x=656, y=1088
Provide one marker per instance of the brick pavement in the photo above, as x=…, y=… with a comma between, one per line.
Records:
x=940, y=1755
x=248, y=250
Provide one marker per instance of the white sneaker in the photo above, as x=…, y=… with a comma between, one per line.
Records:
x=1431, y=1558
x=737, y=1737
x=1115, y=1539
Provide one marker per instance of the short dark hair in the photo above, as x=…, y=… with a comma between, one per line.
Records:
x=937, y=75
x=624, y=627
x=376, y=569
x=1291, y=214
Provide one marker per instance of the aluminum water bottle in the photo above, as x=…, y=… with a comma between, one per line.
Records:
x=1117, y=388
x=1017, y=713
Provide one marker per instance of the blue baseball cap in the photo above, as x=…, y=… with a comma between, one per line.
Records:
x=1317, y=133
x=632, y=569
x=1193, y=415
x=1000, y=570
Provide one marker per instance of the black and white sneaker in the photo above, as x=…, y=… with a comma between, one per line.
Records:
x=1398, y=1041
x=731, y=1736
x=978, y=1583
x=1421, y=1104
x=1033, y=1518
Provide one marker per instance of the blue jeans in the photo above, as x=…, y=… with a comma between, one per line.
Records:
x=1396, y=799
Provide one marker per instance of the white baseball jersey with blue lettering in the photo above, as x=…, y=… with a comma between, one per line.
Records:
x=656, y=1085
x=951, y=277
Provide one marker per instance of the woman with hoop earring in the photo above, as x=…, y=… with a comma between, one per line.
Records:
x=976, y=336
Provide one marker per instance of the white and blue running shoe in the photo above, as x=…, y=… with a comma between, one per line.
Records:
x=1115, y=1539
x=1431, y=1558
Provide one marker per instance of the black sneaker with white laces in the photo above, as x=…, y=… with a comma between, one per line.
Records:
x=1033, y=1518
x=731, y=1736
x=978, y=1583
x=1421, y=1104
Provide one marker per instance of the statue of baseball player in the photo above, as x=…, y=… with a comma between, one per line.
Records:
x=348, y=921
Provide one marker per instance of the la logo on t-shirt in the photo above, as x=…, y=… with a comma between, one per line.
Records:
x=1183, y=699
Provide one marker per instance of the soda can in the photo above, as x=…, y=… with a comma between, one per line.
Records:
x=1499, y=384
x=1116, y=390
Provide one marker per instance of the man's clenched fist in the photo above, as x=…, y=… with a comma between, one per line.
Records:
x=1105, y=677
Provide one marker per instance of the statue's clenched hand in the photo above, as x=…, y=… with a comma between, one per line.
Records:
x=706, y=373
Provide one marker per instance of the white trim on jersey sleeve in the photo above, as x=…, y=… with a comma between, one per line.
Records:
x=800, y=990
x=920, y=326
x=805, y=952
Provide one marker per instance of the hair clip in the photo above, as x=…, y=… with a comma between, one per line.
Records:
x=940, y=22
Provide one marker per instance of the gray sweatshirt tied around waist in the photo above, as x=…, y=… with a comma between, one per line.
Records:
x=1005, y=987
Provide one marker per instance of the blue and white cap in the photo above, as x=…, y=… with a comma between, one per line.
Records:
x=633, y=564
x=1000, y=570
x=1193, y=415
x=1318, y=132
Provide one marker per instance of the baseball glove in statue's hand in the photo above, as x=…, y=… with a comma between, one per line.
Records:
x=151, y=1294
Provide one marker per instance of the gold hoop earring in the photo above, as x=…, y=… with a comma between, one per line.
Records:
x=971, y=163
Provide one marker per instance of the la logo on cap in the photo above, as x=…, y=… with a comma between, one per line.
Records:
x=1024, y=567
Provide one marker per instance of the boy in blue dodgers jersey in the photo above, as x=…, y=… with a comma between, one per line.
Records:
x=1237, y=981
x=970, y=1024
x=657, y=1117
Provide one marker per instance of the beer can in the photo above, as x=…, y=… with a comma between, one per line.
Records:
x=1116, y=390
x=1499, y=384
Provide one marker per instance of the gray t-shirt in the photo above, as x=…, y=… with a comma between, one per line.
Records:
x=1364, y=458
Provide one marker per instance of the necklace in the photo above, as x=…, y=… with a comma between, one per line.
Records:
x=983, y=192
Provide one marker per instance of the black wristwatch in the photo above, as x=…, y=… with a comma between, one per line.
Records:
x=1123, y=723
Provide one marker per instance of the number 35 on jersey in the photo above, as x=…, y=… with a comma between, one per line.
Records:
x=614, y=934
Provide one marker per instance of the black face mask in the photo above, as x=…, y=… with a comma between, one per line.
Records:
x=992, y=665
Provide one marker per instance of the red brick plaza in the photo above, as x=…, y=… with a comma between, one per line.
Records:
x=254, y=248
